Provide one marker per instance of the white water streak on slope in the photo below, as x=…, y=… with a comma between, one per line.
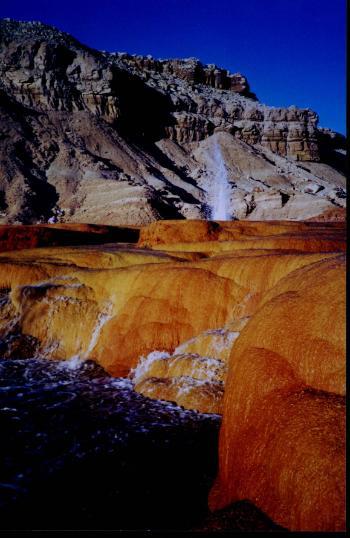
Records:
x=76, y=361
x=220, y=189
x=140, y=372
x=102, y=319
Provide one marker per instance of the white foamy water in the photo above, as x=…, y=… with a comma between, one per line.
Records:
x=206, y=368
x=220, y=189
x=138, y=373
x=220, y=341
x=203, y=368
x=121, y=383
x=186, y=384
x=102, y=319
x=74, y=363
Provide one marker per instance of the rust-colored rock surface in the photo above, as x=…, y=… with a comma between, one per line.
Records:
x=283, y=433
x=244, y=319
x=205, y=396
x=213, y=237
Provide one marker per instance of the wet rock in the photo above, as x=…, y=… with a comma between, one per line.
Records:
x=19, y=346
x=187, y=391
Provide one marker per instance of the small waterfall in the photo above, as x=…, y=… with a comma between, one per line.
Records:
x=220, y=189
x=102, y=319
x=76, y=361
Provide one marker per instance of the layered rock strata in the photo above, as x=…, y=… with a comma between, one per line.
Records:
x=91, y=136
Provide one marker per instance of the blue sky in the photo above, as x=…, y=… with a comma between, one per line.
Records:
x=291, y=51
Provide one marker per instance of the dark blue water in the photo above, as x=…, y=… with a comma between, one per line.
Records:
x=80, y=449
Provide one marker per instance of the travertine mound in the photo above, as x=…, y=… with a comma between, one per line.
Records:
x=143, y=307
x=159, y=314
x=215, y=343
x=301, y=243
x=205, y=396
x=163, y=365
x=256, y=274
x=194, y=376
x=283, y=433
x=243, y=319
x=130, y=302
x=91, y=136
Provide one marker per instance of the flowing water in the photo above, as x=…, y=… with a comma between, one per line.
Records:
x=81, y=449
x=103, y=317
x=220, y=190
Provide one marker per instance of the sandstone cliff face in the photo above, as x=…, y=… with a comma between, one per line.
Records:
x=90, y=136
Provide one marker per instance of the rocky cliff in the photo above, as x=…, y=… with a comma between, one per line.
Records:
x=113, y=138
